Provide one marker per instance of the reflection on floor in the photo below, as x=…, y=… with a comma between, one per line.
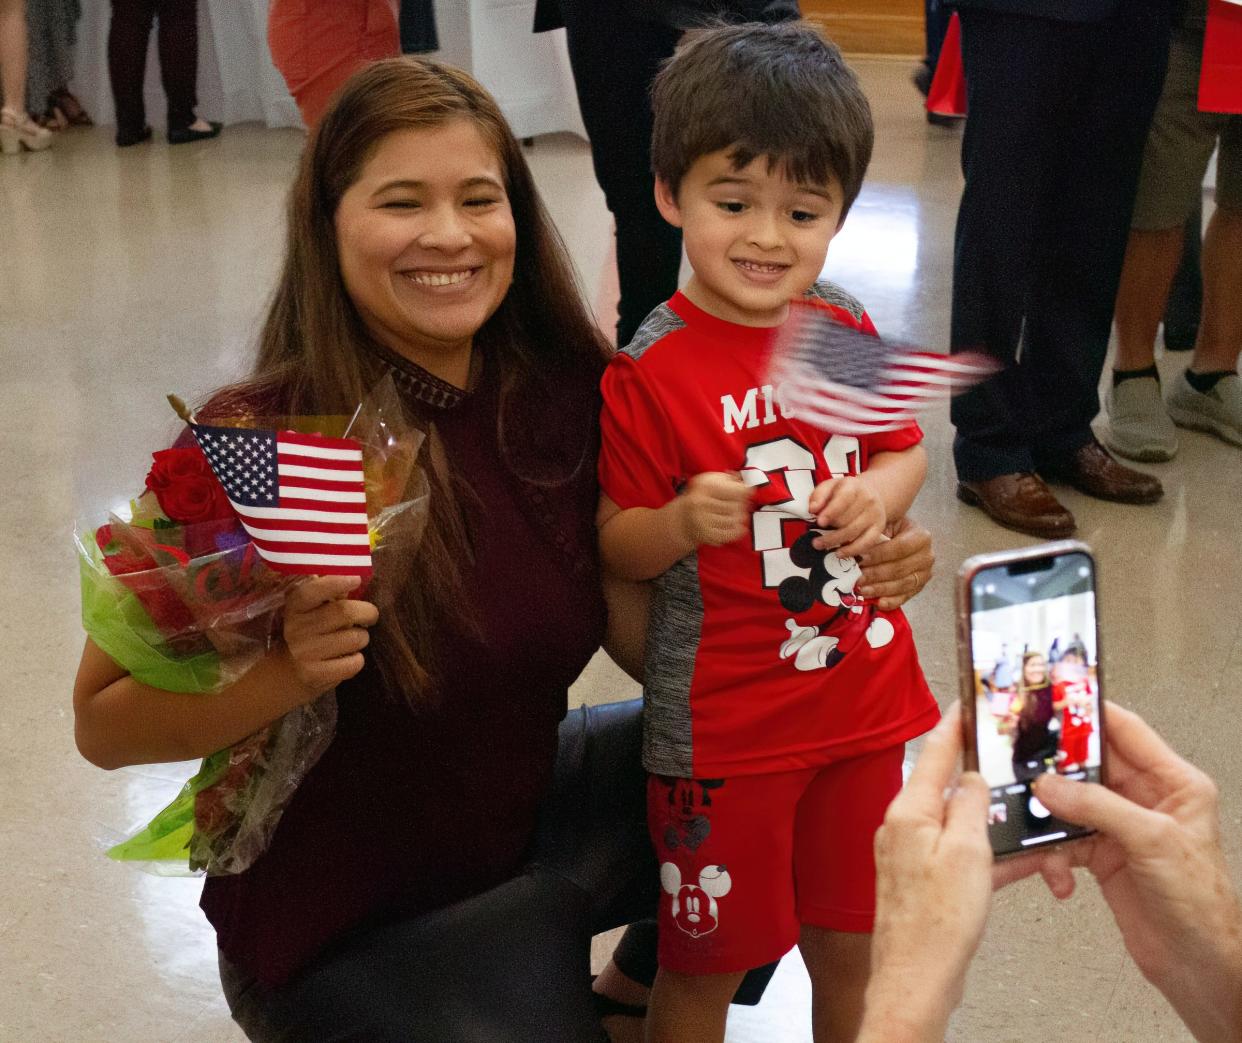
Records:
x=124, y=275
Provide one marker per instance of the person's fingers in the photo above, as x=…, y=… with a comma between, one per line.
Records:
x=819, y=495
x=885, y=568
x=1133, y=747
x=967, y=810
x=319, y=590
x=330, y=672
x=331, y=617
x=1059, y=876
x=837, y=494
x=923, y=792
x=1010, y=870
x=1135, y=828
x=860, y=543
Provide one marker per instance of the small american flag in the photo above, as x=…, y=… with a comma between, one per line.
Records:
x=301, y=498
x=850, y=382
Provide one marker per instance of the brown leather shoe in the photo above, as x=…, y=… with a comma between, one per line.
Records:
x=1019, y=501
x=1092, y=471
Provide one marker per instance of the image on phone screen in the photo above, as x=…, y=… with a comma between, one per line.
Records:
x=1037, y=692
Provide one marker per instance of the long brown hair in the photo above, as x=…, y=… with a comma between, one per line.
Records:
x=314, y=357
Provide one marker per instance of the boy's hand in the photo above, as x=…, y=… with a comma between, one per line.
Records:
x=325, y=632
x=714, y=509
x=854, y=510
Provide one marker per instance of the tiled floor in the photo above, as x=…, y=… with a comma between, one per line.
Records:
x=125, y=275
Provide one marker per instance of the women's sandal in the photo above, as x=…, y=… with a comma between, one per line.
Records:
x=18, y=131
x=64, y=110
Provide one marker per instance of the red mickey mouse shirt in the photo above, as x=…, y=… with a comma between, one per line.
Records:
x=760, y=656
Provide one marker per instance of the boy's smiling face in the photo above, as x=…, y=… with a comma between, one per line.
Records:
x=755, y=238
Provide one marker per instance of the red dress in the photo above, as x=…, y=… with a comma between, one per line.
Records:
x=318, y=44
x=1076, y=726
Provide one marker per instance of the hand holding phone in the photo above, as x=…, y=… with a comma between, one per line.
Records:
x=1031, y=684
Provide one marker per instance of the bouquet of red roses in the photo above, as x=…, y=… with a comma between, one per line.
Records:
x=185, y=593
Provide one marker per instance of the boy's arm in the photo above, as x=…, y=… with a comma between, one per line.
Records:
x=625, y=640
x=896, y=477
x=644, y=542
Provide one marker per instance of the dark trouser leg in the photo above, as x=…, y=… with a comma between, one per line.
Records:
x=1181, y=315
x=1040, y=235
x=510, y=965
x=178, y=46
x=936, y=15
x=1007, y=155
x=593, y=831
x=128, y=34
x=614, y=59
x=1082, y=246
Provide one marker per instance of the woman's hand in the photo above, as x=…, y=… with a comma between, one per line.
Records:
x=895, y=570
x=1158, y=860
x=933, y=889
x=325, y=632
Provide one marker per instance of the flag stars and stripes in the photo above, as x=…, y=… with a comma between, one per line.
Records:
x=301, y=498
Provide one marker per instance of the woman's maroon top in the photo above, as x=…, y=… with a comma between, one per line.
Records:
x=411, y=810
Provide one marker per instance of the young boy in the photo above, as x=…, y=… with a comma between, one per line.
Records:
x=777, y=700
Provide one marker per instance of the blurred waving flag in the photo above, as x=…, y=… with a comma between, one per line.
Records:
x=847, y=381
x=301, y=498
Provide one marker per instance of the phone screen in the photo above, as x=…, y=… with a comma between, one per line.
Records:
x=1037, y=689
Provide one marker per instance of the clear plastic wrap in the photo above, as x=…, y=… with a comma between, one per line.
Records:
x=177, y=595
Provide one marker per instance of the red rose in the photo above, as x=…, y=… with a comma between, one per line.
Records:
x=187, y=490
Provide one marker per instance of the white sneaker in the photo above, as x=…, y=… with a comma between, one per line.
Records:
x=1219, y=411
x=1138, y=426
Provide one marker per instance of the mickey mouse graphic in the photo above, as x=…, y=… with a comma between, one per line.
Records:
x=830, y=580
x=688, y=798
x=694, y=905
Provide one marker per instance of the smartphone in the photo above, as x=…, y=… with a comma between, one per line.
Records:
x=1032, y=702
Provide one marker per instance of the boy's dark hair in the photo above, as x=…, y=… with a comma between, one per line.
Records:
x=780, y=91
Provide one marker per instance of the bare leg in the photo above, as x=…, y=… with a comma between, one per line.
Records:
x=839, y=964
x=615, y=984
x=13, y=54
x=690, y=1008
x=1220, y=333
x=1146, y=277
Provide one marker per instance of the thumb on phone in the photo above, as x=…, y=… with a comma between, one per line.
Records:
x=1135, y=828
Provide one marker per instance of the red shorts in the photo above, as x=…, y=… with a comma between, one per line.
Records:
x=1075, y=744
x=746, y=861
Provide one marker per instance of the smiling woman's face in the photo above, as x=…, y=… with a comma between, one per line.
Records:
x=426, y=243
x=1036, y=670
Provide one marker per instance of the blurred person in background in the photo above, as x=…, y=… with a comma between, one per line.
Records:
x=17, y=130
x=318, y=44
x=1061, y=95
x=52, y=31
x=615, y=50
x=1207, y=395
x=177, y=37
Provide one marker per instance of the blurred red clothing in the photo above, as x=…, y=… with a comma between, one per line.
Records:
x=318, y=44
x=1220, y=82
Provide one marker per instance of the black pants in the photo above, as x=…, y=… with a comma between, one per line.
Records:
x=511, y=965
x=1059, y=113
x=614, y=58
x=127, y=60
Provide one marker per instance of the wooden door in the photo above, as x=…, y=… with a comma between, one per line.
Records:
x=870, y=26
